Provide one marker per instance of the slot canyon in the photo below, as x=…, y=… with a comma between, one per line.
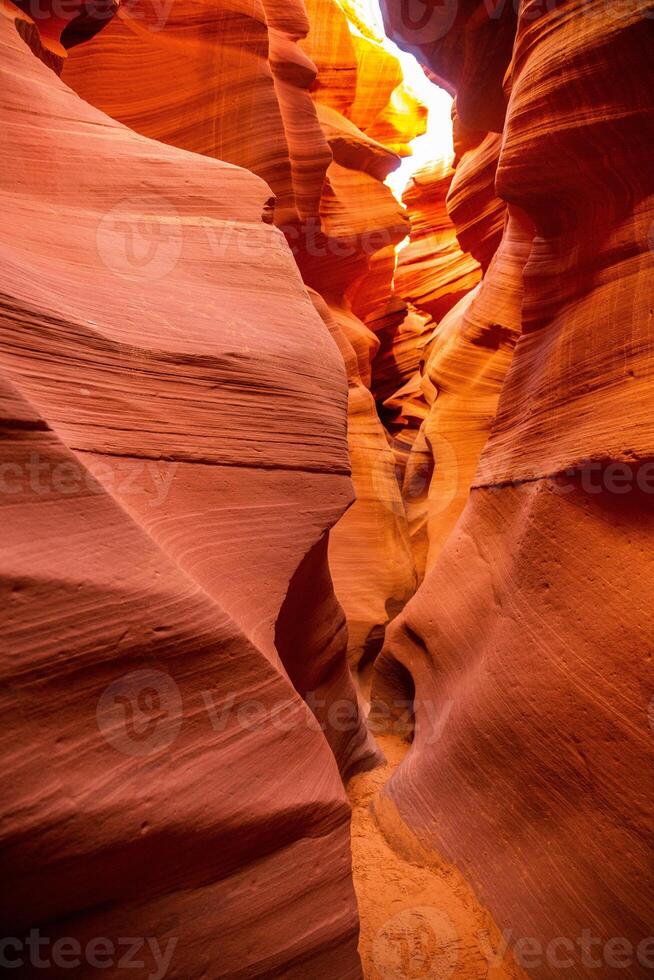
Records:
x=327, y=489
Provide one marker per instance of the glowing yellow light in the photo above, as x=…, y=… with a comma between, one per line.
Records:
x=436, y=144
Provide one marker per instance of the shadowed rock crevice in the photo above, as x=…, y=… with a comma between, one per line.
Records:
x=313, y=452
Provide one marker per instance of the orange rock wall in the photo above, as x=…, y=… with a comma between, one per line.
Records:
x=532, y=630
x=289, y=92
x=174, y=413
x=195, y=298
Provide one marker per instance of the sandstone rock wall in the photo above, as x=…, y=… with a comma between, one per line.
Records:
x=289, y=92
x=208, y=334
x=174, y=413
x=532, y=630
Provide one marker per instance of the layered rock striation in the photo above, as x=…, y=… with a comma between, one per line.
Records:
x=250, y=401
x=531, y=629
x=291, y=93
x=175, y=454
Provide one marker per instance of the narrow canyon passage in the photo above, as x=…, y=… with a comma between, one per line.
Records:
x=419, y=917
x=326, y=476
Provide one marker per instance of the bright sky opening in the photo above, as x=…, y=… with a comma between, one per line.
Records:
x=436, y=144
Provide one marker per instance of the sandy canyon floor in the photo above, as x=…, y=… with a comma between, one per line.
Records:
x=419, y=917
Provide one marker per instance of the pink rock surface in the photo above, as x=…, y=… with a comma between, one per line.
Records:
x=187, y=410
x=190, y=398
x=283, y=91
x=531, y=631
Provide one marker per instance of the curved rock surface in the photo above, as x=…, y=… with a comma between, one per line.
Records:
x=531, y=629
x=162, y=518
x=223, y=102
x=432, y=272
x=460, y=380
x=250, y=400
x=292, y=94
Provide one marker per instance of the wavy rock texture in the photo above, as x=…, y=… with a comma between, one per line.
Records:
x=431, y=275
x=217, y=54
x=473, y=206
x=292, y=94
x=451, y=353
x=176, y=454
x=53, y=27
x=432, y=271
x=470, y=337
x=353, y=268
x=294, y=76
x=533, y=626
x=401, y=116
x=467, y=46
x=176, y=477
x=372, y=592
x=461, y=382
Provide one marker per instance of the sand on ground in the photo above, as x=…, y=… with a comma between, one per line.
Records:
x=419, y=916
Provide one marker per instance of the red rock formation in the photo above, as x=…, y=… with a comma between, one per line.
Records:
x=58, y=26
x=176, y=479
x=185, y=411
x=461, y=380
x=353, y=268
x=217, y=52
x=331, y=48
x=443, y=414
x=532, y=628
x=291, y=112
x=433, y=274
x=472, y=204
x=294, y=75
x=467, y=46
x=448, y=360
